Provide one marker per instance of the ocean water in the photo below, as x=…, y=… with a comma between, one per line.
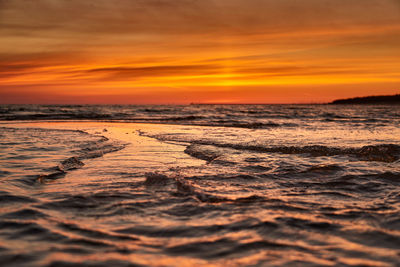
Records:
x=200, y=185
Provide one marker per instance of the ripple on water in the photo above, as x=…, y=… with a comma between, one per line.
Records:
x=25, y=214
x=6, y=199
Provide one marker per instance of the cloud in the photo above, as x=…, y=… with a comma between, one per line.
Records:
x=154, y=71
x=16, y=67
x=13, y=70
x=191, y=17
x=13, y=65
x=103, y=28
x=83, y=25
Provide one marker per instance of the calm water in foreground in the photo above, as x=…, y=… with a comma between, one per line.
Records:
x=200, y=185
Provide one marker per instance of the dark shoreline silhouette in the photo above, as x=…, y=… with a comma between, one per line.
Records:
x=383, y=99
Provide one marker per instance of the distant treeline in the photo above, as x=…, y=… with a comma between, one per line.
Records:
x=383, y=99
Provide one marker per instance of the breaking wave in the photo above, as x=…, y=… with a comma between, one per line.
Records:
x=202, y=149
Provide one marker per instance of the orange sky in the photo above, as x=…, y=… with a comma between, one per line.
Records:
x=183, y=51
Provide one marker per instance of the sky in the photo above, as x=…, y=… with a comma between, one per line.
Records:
x=197, y=51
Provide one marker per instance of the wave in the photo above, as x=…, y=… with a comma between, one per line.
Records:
x=87, y=150
x=184, y=187
x=238, y=116
x=202, y=149
x=156, y=179
x=98, y=148
x=327, y=168
x=194, y=230
x=7, y=198
x=248, y=125
x=201, y=152
x=382, y=152
x=70, y=164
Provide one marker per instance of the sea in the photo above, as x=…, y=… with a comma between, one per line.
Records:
x=199, y=185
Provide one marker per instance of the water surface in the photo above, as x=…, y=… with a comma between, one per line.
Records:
x=240, y=185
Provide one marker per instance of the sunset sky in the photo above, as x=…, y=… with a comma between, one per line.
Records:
x=208, y=51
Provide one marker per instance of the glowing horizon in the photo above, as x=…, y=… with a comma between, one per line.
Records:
x=179, y=52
